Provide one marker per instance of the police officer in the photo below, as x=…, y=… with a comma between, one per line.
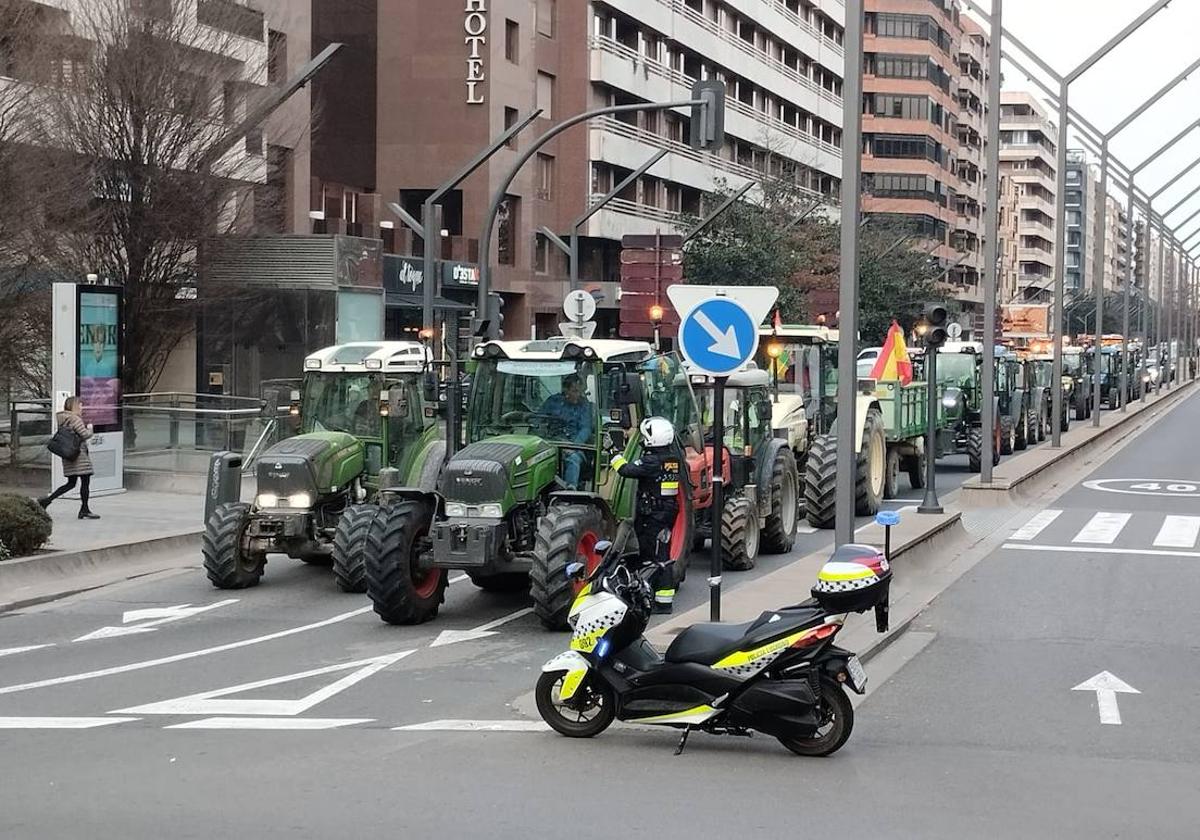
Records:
x=660, y=479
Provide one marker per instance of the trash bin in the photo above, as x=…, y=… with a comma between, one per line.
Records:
x=224, y=481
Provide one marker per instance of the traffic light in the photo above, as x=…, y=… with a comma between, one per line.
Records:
x=708, y=116
x=937, y=316
x=491, y=327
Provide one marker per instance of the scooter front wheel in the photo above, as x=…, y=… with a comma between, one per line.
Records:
x=585, y=715
x=837, y=721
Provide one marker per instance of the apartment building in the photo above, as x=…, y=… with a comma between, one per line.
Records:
x=430, y=85
x=1116, y=244
x=911, y=113
x=1028, y=158
x=1083, y=220
x=972, y=154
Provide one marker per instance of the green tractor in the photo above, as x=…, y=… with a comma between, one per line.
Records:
x=1043, y=373
x=1011, y=404
x=1078, y=369
x=532, y=491
x=361, y=407
x=960, y=398
x=762, y=481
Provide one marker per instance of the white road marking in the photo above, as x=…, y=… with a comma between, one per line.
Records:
x=307, y=724
x=60, y=722
x=476, y=726
x=181, y=657
x=1171, y=488
x=160, y=616
x=1079, y=549
x=1103, y=528
x=26, y=649
x=449, y=637
x=806, y=530
x=1036, y=525
x=1107, y=687
x=1178, y=532
x=212, y=702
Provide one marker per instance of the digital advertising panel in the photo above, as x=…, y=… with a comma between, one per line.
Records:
x=98, y=358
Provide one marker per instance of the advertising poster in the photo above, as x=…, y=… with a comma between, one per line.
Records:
x=99, y=368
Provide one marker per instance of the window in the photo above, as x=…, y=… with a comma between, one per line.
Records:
x=907, y=67
x=510, y=119
x=512, y=41
x=545, y=177
x=546, y=13
x=903, y=146
x=276, y=57
x=545, y=95
x=920, y=27
x=506, y=250
x=541, y=253
x=895, y=185
x=905, y=107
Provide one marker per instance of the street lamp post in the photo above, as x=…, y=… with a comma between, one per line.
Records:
x=991, y=246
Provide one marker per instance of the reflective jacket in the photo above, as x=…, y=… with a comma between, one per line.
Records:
x=660, y=476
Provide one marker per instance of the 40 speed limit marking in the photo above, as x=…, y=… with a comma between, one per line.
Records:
x=1173, y=488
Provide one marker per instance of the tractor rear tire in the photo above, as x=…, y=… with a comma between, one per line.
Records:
x=1021, y=433
x=916, y=471
x=226, y=565
x=891, y=474
x=566, y=534
x=871, y=467
x=503, y=582
x=740, y=536
x=779, y=532
x=820, y=481
x=1007, y=436
x=395, y=539
x=349, y=542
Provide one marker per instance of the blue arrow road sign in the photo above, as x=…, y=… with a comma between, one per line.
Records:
x=718, y=336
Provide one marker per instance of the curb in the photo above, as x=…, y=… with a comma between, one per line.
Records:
x=1006, y=490
x=46, y=577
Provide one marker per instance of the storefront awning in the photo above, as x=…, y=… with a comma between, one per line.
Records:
x=399, y=300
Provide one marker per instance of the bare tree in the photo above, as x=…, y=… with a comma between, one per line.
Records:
x=134, y=96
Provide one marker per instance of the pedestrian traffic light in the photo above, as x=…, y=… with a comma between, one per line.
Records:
x=937, y=316
x=708, y=115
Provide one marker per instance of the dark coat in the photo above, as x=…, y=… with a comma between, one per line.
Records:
x=83, y=464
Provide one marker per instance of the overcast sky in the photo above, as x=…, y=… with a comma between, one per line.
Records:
x=1065, y=32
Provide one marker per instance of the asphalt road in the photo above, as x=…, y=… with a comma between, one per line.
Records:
x=290, y=711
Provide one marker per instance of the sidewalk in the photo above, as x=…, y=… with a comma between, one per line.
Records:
x=139, y=532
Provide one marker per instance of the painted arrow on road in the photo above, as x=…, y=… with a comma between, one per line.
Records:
x=158, y=616
x=1107, y=687
x=450, y=637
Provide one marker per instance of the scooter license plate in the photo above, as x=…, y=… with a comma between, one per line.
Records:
x=858, y=677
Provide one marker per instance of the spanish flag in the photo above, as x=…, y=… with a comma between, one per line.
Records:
x=893, y=363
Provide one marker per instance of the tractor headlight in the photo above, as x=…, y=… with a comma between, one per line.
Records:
x=267, y=500
x=491, y=511
x=456, y=509
x=951, y=397
x=300, y=500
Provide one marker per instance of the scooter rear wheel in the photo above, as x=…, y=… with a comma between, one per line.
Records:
x=837, y=721
x=593, y=713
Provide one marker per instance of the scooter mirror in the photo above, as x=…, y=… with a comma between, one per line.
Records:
x=603, y=547
x=575, y=570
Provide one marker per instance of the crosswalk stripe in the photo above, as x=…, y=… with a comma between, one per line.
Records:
x=1178, y=532
x=1103, y=528
x=1036, y=525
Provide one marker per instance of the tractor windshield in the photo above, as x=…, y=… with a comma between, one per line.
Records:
x=342, y=402
x=1073, y=364
x=554, y=400
x=956, y=369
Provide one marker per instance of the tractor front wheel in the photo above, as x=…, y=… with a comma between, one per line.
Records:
x=871, y=467
x=226, y=561
x=739, y=535
x=779, y=533
x=820, y=481
x=565, y=535
x=349, y=543
x=400, y=590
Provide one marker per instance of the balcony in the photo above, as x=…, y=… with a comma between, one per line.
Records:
x=1031, y=228
x=681, y=23
x=621, y=66
x=620, y=217
x=1040, y=256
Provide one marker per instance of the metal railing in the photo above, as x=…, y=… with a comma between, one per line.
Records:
x=163, y=432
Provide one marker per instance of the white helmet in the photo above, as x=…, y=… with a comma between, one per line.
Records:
x=657, y=431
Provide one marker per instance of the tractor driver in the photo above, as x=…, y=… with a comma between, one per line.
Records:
x=570, y=418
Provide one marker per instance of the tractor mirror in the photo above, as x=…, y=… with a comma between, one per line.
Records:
x=629, y=389
x=618, y=439
x=429, y=384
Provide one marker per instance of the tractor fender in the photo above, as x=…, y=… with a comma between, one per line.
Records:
x=763, y=471
x=431, y=471
x=865, y=403
x=582, y=497
x=391, y=495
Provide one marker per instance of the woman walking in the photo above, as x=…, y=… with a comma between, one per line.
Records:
x=80, y=468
